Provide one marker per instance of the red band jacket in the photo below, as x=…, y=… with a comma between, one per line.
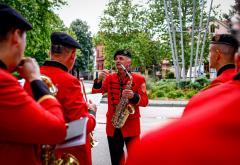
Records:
x=225, y=74
x=209, y=135
x=24, y=123
x=74, y=106
x=114, y=86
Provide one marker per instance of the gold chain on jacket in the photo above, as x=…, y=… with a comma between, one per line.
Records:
x=123, y=109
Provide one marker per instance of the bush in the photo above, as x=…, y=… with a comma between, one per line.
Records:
x=169, y=88
x=190, y=93
x=170, y=75
x=195, y=85
x=160, y=93
x=175, y=94
x=203, y=81
x=184, y=84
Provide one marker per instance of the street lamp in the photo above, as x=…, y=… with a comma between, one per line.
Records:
x=87, y=63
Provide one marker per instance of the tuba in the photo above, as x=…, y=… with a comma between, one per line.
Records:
x=123, y=109
x=47, y=151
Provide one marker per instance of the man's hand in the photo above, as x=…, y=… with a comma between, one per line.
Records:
x=92, y=106
x=103, y=74
x=29, y=69
x=127, y=93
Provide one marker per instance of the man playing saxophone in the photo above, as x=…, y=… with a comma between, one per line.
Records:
x=115, y=85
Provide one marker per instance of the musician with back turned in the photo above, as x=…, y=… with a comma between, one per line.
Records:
x=69, y=94
x=121, y=87
x=25, y=123
x=222, y=50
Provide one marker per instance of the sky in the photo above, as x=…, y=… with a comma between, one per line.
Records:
x=92, y=10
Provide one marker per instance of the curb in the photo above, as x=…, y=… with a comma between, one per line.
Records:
x=159, y=103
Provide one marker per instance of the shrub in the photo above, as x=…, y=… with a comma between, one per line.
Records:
x=184, y=84
x=203, y=81
x=170, y=75
x=175, y=94
x=195, y=85
x=190, y=93
x=160, y=93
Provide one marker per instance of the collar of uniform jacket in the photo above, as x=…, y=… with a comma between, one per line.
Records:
x=225, y=67
x=2, y=65
x=55, y=64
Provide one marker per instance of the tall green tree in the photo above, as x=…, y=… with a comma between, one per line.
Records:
x=85, y=60
x=40, y=13
x=125, y=25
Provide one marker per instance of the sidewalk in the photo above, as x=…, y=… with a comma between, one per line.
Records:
x=161, y=103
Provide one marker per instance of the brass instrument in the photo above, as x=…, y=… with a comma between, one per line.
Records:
x=48, y=157
x=47, y=151
x=52, y=88
x=92, y=141
x=123, y=109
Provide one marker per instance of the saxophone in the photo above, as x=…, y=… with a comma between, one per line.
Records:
x=123, y=109
x=47, y=151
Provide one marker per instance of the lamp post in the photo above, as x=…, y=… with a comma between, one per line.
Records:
x=88, y=63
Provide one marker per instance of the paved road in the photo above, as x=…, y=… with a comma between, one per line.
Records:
x=151, y=117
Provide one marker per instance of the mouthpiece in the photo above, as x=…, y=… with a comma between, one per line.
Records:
x=123, y=67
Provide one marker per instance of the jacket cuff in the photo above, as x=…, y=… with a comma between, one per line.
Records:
x=92, y=112
x=97, y=85
x=39, y=89
x=135, y=99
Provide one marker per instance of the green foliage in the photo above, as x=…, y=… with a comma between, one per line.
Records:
x=40, y=14
x=83, y=35
x=170, y=75
x=143, y=29
x=175, y=94
x=190, y=93
x=125, y=25
x=17, y=75
x=171, y=89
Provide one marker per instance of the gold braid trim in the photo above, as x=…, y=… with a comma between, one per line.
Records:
x=45, y=97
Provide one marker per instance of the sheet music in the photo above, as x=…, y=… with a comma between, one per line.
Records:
x=76, y=134
x=95, y=98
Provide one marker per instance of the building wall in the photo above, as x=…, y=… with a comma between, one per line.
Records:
x=99, y=57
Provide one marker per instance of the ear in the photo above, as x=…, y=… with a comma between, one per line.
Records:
x=16, y=37
x=73, y=54
x=218, y=56
x=237, y=61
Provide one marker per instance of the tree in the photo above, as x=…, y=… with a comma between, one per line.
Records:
x=187, y=11
x=125, y=26
x=83, y=35
x=40, y=14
